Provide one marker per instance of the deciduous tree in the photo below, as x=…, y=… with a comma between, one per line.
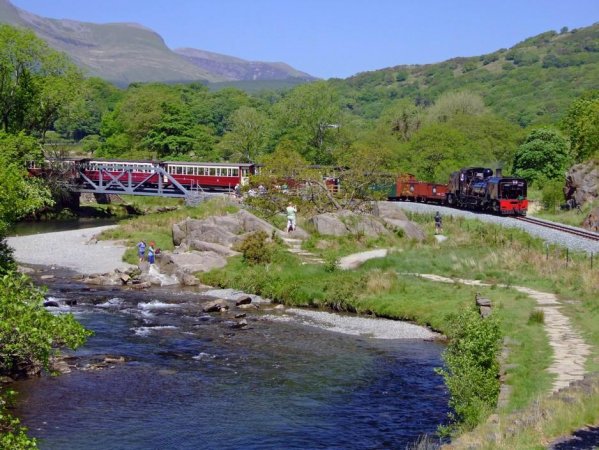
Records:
x=544, y=155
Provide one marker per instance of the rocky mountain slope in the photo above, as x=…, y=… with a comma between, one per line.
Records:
x=123, y=52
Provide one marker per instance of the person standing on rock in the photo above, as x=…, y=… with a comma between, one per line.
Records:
x=151, y=253
x=438, y=223
x=141, y=250
x=291, y=212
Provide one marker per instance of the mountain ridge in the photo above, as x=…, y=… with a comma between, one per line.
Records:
x=123, y=53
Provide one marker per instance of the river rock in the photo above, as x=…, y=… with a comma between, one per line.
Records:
x=243, y=300
x=51, y=304
x=240, y=324
x=191, y=262
x=215, y=306
x=248, y=306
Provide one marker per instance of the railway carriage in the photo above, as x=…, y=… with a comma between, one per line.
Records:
x=107, y=170
x=210, y=176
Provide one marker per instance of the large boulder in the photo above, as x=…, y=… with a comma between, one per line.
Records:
x=346, y=222
x=582, y=182
x=223, y=230
x=179, y=264
x=396, y=218
x=592, y=220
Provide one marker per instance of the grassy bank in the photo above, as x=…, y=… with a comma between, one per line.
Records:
x=388, y=288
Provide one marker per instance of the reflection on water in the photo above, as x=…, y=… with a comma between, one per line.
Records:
x=192, y=381
x=50, y=226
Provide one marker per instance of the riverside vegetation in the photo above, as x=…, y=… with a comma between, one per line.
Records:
x=387, y=288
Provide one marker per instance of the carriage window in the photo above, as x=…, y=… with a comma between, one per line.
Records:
x=235, y=172
x=212, y=171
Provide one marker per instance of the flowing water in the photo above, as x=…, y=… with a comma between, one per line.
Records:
x=191, y=380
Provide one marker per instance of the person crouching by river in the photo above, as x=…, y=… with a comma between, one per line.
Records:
x=151, y=253
x=141, y=250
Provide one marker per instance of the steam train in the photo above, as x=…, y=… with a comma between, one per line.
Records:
x=474, y=188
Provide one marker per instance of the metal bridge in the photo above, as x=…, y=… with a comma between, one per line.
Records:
x=121, y=181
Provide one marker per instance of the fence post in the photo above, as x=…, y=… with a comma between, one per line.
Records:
x=591, y=260
x=567, y=256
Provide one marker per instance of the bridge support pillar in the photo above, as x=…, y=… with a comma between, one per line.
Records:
x=102, y=199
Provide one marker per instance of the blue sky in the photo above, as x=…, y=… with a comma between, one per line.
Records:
x=334, y=38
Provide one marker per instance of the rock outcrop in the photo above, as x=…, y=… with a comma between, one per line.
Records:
x=345, y=222
x=397, y=219
x=582, y=183
x=591, y=222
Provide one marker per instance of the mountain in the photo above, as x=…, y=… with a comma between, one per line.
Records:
x=532, y=82
x=124, y=53
x=231, y=68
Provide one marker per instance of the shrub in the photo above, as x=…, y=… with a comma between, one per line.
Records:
x=256, y=249
x=536, y=316
x=471, y=368
x=552, y=194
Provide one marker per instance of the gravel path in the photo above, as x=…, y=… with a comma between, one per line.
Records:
x=75, y=250
x=570, y=352
x=548, y=235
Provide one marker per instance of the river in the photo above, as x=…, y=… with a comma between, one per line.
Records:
x=191, y=380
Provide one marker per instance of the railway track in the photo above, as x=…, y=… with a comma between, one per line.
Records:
x=564, y=228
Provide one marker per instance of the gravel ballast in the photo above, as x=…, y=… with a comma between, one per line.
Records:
x=548, y=235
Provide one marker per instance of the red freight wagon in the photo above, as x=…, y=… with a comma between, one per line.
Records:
x=409, y=188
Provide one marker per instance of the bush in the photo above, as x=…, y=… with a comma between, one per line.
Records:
x=552, y=194
x=29, y=337
x=471, y=373
x=256, y=249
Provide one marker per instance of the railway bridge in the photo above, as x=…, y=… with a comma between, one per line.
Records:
x=156, y=179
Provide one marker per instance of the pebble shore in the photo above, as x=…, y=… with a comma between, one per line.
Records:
x=77, y=250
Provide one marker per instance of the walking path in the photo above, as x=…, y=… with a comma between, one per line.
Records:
x=569, y=349
x=295, y=247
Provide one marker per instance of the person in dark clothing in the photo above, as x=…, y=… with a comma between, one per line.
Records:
x=438, y=223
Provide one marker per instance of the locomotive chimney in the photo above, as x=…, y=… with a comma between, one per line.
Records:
x=498, y=172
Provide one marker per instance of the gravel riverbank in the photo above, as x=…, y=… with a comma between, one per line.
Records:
x=76, y=250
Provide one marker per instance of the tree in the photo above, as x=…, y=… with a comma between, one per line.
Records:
x=452, y=104
x=36, y=83
x=246, y=136
x=84, y=116
x=581, y=123
x=435, y=151
x=19, y=194
x=402, y=119
x=310, y=115
x=544, y=155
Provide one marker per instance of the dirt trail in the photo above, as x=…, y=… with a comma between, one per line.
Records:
x=569, y=349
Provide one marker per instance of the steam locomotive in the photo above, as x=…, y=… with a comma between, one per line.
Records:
x=474, y=188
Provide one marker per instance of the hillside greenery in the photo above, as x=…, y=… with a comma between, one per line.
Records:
x=427, y=120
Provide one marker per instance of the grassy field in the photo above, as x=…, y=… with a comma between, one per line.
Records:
x=387, y=288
